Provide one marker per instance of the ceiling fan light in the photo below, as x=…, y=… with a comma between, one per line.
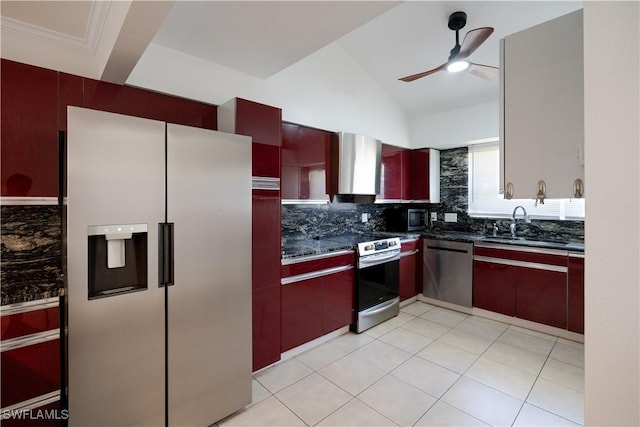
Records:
x=456, y=66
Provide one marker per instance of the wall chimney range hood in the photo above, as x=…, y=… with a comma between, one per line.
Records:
x=355, y=168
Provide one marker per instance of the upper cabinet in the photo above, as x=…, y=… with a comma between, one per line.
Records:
x=394, y=176
x=29, y=131
x=304, y=162
x=409, y=175
x=424, y=175
x=261, y=122
x=542, y=110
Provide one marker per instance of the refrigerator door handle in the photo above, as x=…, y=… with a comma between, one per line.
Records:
x=165, y=254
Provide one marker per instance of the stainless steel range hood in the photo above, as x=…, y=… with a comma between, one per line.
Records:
x=355, y=167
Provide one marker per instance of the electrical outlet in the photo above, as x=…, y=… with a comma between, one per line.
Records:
x=434, y=216
x=451, y=217
x=365, y=217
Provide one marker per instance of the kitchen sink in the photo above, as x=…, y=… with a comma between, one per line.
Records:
x=502, y=238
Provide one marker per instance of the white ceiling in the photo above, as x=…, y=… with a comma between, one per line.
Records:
x=388, y=39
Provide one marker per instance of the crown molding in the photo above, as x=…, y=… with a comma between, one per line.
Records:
x=86, y=45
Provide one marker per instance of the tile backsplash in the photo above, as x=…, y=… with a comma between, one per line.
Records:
x=31, y=266
x=337, y=218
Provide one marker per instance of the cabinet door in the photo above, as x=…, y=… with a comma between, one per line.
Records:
x=576, y=295
x=301, y=312
x=29, y=372
x=408, y=276
x=136, y=102
x=266, y=277
x=261, y=122
x=29, y=130
x=542, y=107
x=304, y=164
x=338, y=301
x=541, y=296
x=419, y=174
x=394, y=178
x=494, y=287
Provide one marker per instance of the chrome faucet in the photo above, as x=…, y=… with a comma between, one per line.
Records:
x=512, y=227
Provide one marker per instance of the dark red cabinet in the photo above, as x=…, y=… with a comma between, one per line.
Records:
x=527, y=285
x=494, y=288
x=409, y=266
x=266, y=297
x=136, y=102
x=419, y=174
x=319, y=302
x=263, y=124
x=395, y=173
x=32, y=370
x=29, y=130
x=302, y=312
x=260, y=121
x=34, y=107
x=576, y=294
x=304, y=162
x=541, y=296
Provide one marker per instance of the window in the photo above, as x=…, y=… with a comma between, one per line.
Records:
x=485, y=201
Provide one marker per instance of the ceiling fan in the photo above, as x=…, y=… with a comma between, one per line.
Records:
x=458, y=55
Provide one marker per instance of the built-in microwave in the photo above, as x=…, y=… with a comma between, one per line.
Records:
x=405, y=219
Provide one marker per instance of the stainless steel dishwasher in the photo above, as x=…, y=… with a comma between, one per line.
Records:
x=448, y=271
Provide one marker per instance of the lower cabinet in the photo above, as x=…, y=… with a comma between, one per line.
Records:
x=576, y=294
x=317, y=297
x=410, y=267
x=527, y=285
x=30, y=365
x=541, y=296
x=494, y=288
x=265, y=277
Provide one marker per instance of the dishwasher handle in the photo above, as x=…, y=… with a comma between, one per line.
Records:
x=440, y=248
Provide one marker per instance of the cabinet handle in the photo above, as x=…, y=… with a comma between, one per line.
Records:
x=314, y=274
x=578, y=189
x=542, y=193
x=525, y=264
x=508, y=191
x=409, y=253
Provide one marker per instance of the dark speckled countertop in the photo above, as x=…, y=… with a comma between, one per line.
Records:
x=505, y=240
x=307, y=246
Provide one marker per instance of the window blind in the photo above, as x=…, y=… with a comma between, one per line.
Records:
x=485, y=200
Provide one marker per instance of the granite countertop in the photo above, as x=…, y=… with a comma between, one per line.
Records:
x=307, y=246
x=506, y=240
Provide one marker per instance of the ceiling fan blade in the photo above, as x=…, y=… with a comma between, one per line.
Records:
x=472, y=40
x=487, y=72
x=423, y=74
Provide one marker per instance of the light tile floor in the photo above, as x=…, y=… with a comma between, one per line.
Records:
x=426, y=367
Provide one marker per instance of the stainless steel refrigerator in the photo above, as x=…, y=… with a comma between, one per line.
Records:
x=158, y=283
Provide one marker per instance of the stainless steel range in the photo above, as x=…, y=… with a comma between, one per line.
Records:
x=377, y=282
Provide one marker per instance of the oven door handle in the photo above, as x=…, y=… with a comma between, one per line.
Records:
x=367, y=313
x=378, y=259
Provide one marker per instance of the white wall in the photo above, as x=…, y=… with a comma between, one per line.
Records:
x=328, y=90
x=612, y=231
x=455, y=128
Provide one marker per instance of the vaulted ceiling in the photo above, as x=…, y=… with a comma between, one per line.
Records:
x=105, y=39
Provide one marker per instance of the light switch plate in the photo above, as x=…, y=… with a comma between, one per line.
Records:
x=451, y=217
x=365, y=217
x=434, y=216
